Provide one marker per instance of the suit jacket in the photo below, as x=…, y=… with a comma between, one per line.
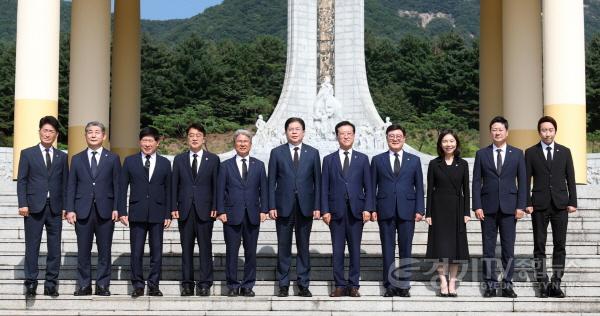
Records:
x=34, y=181
x=506, y=191
x=356, y=186
x=401, y=195
x=199, y=191
x=235, y=196
x=444, y=187
x=83, y=189
x=285, y=180
x=149, y=199
x=554, y=182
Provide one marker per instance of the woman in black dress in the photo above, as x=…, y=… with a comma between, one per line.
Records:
x=448, y=210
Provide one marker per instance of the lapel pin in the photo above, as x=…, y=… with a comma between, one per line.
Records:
x=206, y=158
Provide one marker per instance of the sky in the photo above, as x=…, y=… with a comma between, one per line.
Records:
x=174, y=9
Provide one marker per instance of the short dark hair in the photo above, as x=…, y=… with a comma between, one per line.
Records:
x=440, y=150
x=292, y=120
x=344, y=123
x=196, y=126
x=499, y=119
x=50, y=120
x=395, y=127
x=547, y=119
x=149, y=131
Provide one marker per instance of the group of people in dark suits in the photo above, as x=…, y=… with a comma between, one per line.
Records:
x=146, y=193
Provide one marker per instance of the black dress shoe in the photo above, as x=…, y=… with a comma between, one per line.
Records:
x=83, y=291
x=555, y=291
x=284, y=291
x=137, y=292
x=187, y=291
x=404, y=292
x=247, y=292
x=389, y=292
x=509, y=292
x=30, y=291
x=202, y=291
x=51, y=291
x=154, y=291
x=304, y=292
x=489, y=293
x=102, y=291
x=233, y=292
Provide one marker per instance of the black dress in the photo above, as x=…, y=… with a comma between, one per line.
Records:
x=447, y=204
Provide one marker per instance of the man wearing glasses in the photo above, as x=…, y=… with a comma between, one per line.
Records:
x=41, y=191
x=398, y=187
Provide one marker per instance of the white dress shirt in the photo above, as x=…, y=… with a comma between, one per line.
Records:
x=393, y=158
x=98, y=155
x=502, y=153
x=51, y=152
x=238, y=161
x=199, y=158
x=342, y=156
x=292, y=150
x=152, y=163
x=545, y=151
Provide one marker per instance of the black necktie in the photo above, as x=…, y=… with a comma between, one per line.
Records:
x=147, y=166
x=549, y=155
x=499, y=161
x=94, y=165
x=396, y=164
x=296, y=157
x=48, y=160
x=195, y=166
x=244, y=169
x=346, y=164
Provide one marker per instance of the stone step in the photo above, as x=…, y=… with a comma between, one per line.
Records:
x=422, y=271
x=123, y=303
x=318, y=288
x=279, y=313
x=268, y=234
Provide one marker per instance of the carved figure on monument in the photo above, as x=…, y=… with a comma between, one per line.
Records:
x=326, y=112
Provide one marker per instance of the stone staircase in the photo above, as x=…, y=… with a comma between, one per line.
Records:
x=581, y=281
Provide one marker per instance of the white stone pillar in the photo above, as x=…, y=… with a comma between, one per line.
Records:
x=522, y=69
x=564, y=77
x=89, y=77
x=36, y=70
x=126, y=78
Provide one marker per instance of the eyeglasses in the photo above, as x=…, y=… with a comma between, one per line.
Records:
x=297, y=129
x=195, y=135
x=397, y=137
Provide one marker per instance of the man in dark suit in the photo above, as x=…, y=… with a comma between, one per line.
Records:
x=499, y=198
x=346, y=202
x=92, y=199
x=398, y=185
x=552, y=198
x=41, y=191
x=194, y=197
x=294, y=200
x=148, y=177
x=242, y=205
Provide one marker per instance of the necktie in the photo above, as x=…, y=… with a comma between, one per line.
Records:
x=549, y=155
x=499, y=161
x=296, y=157
x=147, y=166
x=396, y=164
x=195, y=166
x=48, y=160
x=244, y=169
x=346, y=164
x=94, y=165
